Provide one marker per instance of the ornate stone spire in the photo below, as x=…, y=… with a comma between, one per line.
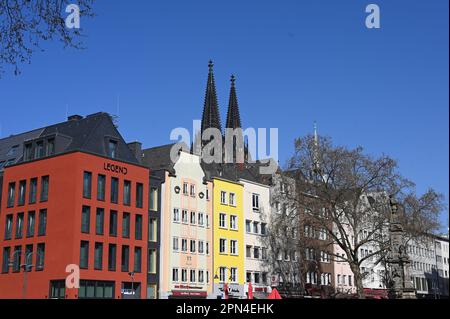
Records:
x=233, y=117
x=211, y=115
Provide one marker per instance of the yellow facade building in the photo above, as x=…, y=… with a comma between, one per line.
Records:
x=228, y=233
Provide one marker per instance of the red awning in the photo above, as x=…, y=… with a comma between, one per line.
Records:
x=274, y=294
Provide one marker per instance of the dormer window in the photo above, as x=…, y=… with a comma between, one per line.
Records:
x=50, y=147
x=112, y=148
x=39, y=149
x=28, y=155
x=13, y=150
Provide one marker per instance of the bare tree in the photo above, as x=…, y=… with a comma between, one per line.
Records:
x=24, y=24
x=345, y=194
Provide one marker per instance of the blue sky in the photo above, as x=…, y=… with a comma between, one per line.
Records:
x=296, y=62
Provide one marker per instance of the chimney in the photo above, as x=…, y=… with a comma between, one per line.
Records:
x=75, y=117
x=136, y=149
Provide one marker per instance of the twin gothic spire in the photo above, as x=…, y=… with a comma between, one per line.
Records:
x=211, y=114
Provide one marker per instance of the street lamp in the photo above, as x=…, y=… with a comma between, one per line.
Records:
x=217, y=277
x=26, y=267
x=131, y=273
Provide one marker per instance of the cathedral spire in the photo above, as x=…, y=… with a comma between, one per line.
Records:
x=211, y=116
x=233, y=117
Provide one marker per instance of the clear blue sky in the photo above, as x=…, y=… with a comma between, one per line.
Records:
x=295, y=62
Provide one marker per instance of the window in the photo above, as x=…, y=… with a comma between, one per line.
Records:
x=222, y=220
x=255, y=202
x=207, y=220
x=138, y=227
x=114, y=190
x=233, y=222
x=39, y=149
x=57, y=289
x=324, y=257
x=185, y=188
x=40, y=256
x=223, y=197
x=255, y=227
x=33, y=191
x=184, y=216
x=98, y=256
x=201, y=278
x=264, y=254
x=93, y=289
x=248, y=251
x=232, y=200
x=28, y=153
x=183, y=275
x=248, y=226
x=126, y=225
x=5, y=261
x=50, y=147
x=310, y=254
x=222, y=245
x=42, y=226
x=174, y=274
x=125, y=258
x=112, y=148
x=139, y=195
x=44, y=188
x=200, y=219
x=127, y=193
x=175, y=244
x=87, y=184
x=222, y=274
x=17, y=257
x=349, y=280
x=193, y=244
x=184, y=245
x=207, y=194
x=30, y=224
x=84, y=254
x=85, y=219
x=200, y=246
x=153, y=199
x=22, y=192
x=137, y=259
x=176, y=215
x=207, y=248
x=113, y=223
x=192, y=275
x=193, y=218
x=233, y=274
x=264, y=229
x=151, y=261
x=112, y=253
x=101, y=186
x=99, y=221
x=257, y=277
x=256, y=252
x=19, y=225
x=11, y=194
x=152, y=224
x=192, y=190
x=8, y=226
x=309, y=231
x=233, y=247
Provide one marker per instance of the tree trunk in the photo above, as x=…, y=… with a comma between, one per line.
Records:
x=358, y=281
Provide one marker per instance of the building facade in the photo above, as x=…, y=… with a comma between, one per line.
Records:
x=72, y=205
x=256, y=217
x=228, y=266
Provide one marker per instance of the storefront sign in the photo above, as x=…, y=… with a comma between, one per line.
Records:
x=115, y=168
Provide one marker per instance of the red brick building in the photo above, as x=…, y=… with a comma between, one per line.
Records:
x=75, y=195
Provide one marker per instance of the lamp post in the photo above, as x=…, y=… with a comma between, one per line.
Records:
x=25, y=267
x=217, y=277
x=131, y=273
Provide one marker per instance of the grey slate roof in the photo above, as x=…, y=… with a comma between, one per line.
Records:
x=10, y=155
x=158, y=158
x=89, y=134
